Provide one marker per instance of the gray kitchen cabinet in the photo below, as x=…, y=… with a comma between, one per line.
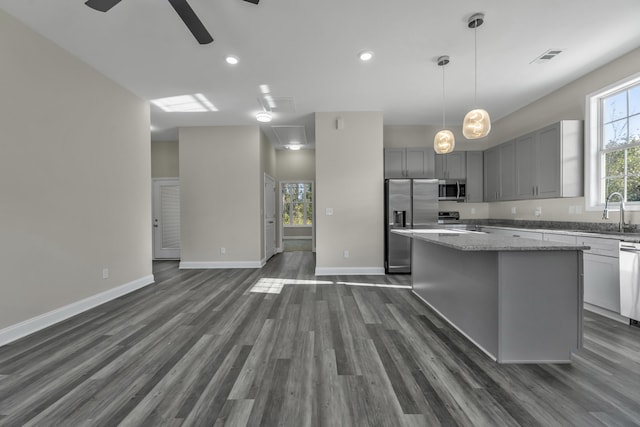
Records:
x=525, y=166
x=395, y=162
x=508, y=171
x=549, y=162
x=411, y=162
x=451, y=165
x=492, y=174
x=500, y=172
x=475, y=174
x=601, y=273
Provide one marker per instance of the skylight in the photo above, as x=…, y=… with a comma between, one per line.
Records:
x=197, y=103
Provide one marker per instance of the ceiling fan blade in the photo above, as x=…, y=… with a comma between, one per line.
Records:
x=253, y=1
x=192, y=21
x=101, y=5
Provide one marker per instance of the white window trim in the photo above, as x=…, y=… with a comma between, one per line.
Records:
x=593, y=165
x=313, y=189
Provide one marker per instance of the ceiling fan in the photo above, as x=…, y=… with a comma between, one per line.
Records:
x=183, y=10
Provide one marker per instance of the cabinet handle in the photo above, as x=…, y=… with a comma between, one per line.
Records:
x=533, y=190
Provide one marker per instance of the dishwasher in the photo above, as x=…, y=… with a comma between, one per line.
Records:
x=630, y=281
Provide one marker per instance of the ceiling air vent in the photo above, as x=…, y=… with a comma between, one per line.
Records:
x=547, y=56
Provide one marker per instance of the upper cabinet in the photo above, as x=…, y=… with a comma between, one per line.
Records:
x=549, y=162
x=409, y=162
x=500, y=172
x=451, y=166
x=475, y=176
x=546, y=163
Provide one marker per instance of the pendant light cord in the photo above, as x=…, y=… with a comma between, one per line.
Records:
x=475, y=66
x=443, y=99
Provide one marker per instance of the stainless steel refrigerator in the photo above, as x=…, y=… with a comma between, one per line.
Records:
x=409, y=203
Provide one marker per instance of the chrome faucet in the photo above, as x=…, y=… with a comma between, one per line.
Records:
x=605, y=214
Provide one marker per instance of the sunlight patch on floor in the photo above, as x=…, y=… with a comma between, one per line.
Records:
x=375, y=285
x=274, y=285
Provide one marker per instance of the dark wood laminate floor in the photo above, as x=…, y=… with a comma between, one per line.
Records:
x=278, y=346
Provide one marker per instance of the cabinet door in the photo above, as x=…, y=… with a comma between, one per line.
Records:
x=491, y=174
x=525, y=164
x=394, y=163
x=508, y=168
x=474, y=176
x=602, y=281
x=420, y=162
x=547, y=162
x=441, y=166
x=456, y=165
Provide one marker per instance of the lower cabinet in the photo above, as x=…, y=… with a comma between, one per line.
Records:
x=602, y=281
x=601, y=273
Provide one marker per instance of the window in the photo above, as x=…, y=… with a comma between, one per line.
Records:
x=613, y=137
x=297, y=204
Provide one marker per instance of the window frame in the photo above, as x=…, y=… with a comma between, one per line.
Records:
x=306, y=204
x=594, y=162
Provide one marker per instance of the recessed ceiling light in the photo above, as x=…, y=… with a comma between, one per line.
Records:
x=294, y=147
x=185, y=104
x=365, y=55
x=264, y=116
x=232, y=60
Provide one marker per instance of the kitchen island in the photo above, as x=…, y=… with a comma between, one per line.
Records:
x=519, y=300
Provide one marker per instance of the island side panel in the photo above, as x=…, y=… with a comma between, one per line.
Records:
x=462, y=286
x=540, y=306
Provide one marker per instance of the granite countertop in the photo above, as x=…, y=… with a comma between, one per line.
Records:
x=465, y=240
x=614, y=235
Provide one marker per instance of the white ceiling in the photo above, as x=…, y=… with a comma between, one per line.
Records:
x=306, y=52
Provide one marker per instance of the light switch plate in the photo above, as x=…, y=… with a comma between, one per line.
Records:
x=328, y=211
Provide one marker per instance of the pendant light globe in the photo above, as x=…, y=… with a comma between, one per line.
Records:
x=444, y=142
x=477, y=123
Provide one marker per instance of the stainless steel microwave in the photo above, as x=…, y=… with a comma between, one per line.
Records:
x=452, y=189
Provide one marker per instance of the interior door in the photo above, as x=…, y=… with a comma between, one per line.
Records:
x=269, y=216
x=166, y=218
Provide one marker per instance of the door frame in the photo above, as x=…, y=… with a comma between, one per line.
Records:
x=154, y=211
x=281, y=209
x=266, y=178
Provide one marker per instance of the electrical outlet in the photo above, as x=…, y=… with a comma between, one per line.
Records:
x=473, y=211
x=538, y=211
x=105, y=273
x=346, y=254
x=223, y=251
x=513, y=210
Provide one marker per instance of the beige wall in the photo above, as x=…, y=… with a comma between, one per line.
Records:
x=422, y=136
x=220, y=196
x=75, y=179
x=349, y=179
x=566, y=103
x=296, y=165
x=164, y=159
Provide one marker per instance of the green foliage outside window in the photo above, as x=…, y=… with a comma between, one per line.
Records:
x=620, y=143
x=297, y=206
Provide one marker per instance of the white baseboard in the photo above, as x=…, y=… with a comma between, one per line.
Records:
x=29, y=326
x=184, y=265
x=606, y=313
x=352, y=271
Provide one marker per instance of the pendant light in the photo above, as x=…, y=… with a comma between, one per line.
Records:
x=477, y=123
x=444, y=141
